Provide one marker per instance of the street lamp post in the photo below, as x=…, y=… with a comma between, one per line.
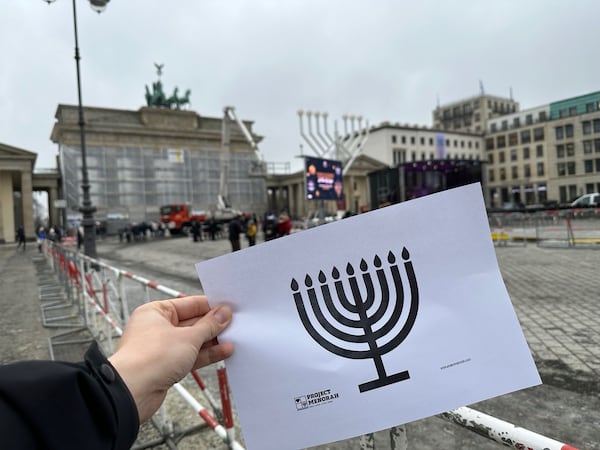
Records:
x=87, y=209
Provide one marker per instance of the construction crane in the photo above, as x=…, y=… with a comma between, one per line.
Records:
x=229, y=117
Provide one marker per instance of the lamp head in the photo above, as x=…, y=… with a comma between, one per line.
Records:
x=98, y=5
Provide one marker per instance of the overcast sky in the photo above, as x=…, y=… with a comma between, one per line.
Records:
x=387, y=60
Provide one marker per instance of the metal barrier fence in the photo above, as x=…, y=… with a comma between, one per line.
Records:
x=94, y=297
x=565, y=228
x=578, y=228
x=510, y=229
x=94, y=304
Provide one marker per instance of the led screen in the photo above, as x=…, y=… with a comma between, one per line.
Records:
x=323, y=179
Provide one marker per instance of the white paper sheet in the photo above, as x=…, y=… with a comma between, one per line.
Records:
x=454, y=339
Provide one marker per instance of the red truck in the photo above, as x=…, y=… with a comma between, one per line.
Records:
x=178, y=217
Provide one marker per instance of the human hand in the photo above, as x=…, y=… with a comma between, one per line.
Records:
x=163, y=341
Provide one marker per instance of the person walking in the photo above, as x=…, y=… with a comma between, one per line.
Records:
x=251, y=232
x=20, y=238
x=235, y=228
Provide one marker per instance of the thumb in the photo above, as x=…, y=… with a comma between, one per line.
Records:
x=213, y=323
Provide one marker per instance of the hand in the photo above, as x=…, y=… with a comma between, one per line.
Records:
x=165, y=340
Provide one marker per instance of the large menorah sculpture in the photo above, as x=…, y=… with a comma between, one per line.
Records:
x=346, y=147
x=366, y=312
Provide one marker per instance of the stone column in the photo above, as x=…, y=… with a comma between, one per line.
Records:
x=27, y=202
x=53, y=213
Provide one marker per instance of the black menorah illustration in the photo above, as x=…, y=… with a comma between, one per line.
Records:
x=367, y=314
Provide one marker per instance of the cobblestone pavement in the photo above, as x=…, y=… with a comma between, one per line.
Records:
x=555, y=292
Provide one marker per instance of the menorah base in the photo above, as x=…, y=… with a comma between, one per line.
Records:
x=380, y=382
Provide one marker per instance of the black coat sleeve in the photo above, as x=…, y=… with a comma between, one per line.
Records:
x=54, y=405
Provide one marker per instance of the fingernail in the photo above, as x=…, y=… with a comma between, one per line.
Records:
x=222, y=314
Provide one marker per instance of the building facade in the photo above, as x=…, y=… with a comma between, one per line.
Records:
x=140, y=160
x=394, y=144
x=472, y=114
x=547, y=154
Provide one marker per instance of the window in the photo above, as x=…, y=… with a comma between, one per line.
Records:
x=489, y=144
x=422, y=141
x=430, y=141
x=525, y=152
x=586, y=127
x=491, y=158
x=501, y=157
x=513, y=154
x=491, y=175
x=514, y=172
x=501, y=141
x=516, y=122
x=588, y=166
x=502, y=174
x=559, y=132
x=393, y=138
x=570, y=149
x=455, y=143
x=596, y=125
x=526, y=171
x=504, y=125
x=470, y=144
x=525, y=137
x=399, y=156
x=571, y=168
x=542, y=116
x=569, y=130
x=561, y=169
x=560, y=151
x=404, y=139
x=513, y=139
x=540, y=169
x=572, y=111
x=538, y=134
x=597, y=145
x=413, y=156
x=539, y=151
x=493, y=128
x=587, y=147
x=477, y=144
x=598, y=167
x=412, y=140
x=448, y=143
x=462, y=144
x=528, y=119
x=589, y=107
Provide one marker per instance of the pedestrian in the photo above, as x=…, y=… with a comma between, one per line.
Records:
x=212, y=228
x=284, y=225
x=41, y=236
x=196, y=230
x=251, y=232
x=80, y=237
x=20, y=236
x=99, y=404
x=235, y=228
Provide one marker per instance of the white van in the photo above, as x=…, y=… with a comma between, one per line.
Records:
x=587, y=200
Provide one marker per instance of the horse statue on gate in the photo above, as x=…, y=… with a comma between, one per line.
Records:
x=158, y=99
